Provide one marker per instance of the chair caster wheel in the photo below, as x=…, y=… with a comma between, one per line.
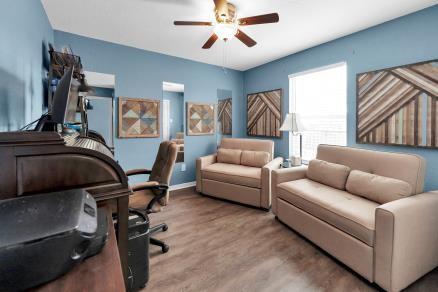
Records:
x=165, y=248
x=165, y=227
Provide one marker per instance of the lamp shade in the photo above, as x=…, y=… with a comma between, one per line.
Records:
x=292, y=123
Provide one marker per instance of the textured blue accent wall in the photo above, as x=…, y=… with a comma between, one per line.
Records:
x=409, y=39
x=141, y=73
x=25, y=32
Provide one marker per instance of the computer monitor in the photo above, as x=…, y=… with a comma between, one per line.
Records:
x=65, y=99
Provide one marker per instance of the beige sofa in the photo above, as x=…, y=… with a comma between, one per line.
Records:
x=391, y=240
x=240, y=171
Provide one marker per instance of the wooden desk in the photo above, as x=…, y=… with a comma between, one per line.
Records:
x=101, y=272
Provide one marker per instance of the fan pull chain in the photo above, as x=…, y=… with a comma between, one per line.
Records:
x=224, y=57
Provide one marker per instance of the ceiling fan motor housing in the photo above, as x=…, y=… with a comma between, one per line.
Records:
x=231, y=14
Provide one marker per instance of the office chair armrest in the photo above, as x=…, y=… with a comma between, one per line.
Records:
x=138, y=171
x=144, y=186
x=152, y=185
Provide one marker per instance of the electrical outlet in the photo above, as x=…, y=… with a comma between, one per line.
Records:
x=183, y=167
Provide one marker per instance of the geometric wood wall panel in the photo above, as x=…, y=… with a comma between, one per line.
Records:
x=225, y=116
x=200, y=119
x=264, y=114
x=399, y=106
x=139, y=118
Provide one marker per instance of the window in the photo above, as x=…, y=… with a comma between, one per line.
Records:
x=320, y=98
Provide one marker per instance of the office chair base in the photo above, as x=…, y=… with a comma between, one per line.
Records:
x=164, y=247
x=162, y=226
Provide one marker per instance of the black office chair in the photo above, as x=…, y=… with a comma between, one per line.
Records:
x=155, y=191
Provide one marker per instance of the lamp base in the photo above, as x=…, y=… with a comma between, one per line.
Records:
x=296, y=160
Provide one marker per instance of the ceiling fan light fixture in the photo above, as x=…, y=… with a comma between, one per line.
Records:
x=225, y=31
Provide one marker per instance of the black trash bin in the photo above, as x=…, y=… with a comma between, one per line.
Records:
x=138, y=250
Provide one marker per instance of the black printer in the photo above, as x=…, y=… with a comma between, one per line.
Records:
x=43, y=236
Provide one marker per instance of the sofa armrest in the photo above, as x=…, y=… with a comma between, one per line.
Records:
x=406, y=243
x=265, y=194
x=201, y=163
x=283, y=175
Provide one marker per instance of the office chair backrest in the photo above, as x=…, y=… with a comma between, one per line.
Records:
x=163, y=165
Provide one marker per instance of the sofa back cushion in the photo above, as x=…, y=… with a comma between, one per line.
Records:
x=406, y=167
x=231, y=156
x=254, y=158
x=377, y=188
x=249, y=144
x=331, y=174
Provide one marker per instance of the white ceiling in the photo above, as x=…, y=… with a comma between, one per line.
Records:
x=148, y=24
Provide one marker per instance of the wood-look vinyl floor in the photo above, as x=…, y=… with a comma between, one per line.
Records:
x=221, y=246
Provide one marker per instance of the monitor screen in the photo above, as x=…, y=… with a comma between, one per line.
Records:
x=65, y=99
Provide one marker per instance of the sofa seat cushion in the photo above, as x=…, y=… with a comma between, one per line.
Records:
x=233, y=174
x=349, y=213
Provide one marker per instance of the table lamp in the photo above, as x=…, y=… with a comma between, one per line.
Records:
x=292, y=124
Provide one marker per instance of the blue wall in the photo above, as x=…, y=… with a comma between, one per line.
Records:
x=141, y=73
x=25, y=31
x=405, y=40
x=176, y=100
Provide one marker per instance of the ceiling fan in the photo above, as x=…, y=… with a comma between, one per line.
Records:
x=226, y=25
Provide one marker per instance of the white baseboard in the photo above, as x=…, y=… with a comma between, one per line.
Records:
x=182, y=186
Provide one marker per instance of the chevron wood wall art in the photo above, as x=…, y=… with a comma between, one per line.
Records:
x=139, y=118
x=200, y=119
x=399, y=106
x=225, y=117
x=264, y=114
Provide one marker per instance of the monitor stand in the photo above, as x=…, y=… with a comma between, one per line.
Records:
x=45, y=124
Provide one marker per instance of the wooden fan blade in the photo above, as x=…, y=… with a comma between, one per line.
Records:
x=259, y=19
x=192, y=23
x=244, y=38
x=221, y=8
x=210, y=41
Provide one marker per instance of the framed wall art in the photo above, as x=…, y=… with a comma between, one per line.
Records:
x=139, y=118
x=225, y=115
x=200, y=119
x=398, y=106
x=264, y=114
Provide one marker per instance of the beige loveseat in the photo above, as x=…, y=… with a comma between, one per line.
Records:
x=240, y=171
x=387, y=231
